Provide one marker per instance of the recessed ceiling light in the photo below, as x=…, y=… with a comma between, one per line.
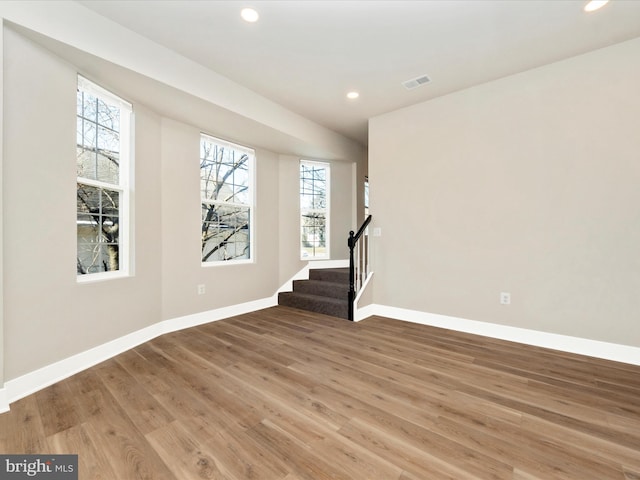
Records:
x=594, y=5
x=249, y=15
x=352, y=95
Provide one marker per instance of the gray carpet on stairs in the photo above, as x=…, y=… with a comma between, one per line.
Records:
x=326, y=291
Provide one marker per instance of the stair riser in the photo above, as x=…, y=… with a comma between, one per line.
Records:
x=326, y=292
x=330, y=275
x=325, y=289
x=324, y=305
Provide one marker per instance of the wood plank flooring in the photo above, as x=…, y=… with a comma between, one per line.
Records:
x=283, y=394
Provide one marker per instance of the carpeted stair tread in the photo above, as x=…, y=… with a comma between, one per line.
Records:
x=335, y=275
x=322, y=288
x=315, y=303
x=326, y=291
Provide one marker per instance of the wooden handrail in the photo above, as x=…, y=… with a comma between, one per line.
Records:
x=354, y=238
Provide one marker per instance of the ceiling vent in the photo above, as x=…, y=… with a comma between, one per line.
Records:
x=416, y=82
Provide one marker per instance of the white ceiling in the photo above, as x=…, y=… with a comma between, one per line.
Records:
x=307, y=54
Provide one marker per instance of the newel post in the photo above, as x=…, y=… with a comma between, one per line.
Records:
x=352, y=275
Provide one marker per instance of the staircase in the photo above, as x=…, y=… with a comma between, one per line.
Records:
x=326, y=291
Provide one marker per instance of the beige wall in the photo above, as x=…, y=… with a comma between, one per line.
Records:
x=48, y=316
x=182, y=270
x=527, y=185
x=1, y=223
x=289, y=208
x=342, y=215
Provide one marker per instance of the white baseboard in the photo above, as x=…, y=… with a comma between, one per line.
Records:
x=188, y=321
x=565, y=343
x=361, y=313
x=4, y=403
x=32, y=382
x=37, y=380
x=365, y=312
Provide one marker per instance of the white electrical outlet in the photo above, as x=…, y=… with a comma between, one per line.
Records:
x=201, y=289
x=505, y=298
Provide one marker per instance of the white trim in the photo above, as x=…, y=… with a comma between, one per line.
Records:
x=363, y=287
x=128, y=215
x=565, y=343
x=4, y=402
x=33, y=381
x=101, y=276
x=196, y=319
x=364, y=313
x=37, y=380
x=226, y=263
x=124, y=185
x=43, y=377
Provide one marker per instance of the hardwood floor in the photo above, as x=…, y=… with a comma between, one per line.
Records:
x=283, y=394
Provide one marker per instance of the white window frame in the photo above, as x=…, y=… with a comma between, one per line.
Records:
x=326, y=210
x=251, y=167
x=124, y=186
x=366, y=197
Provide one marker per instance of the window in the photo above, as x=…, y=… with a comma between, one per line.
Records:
x=366, y=197
x=103, y=154
x=314, y=209
x=226, y=191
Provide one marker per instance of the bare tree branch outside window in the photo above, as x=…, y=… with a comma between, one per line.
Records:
x=226, y=197
x=99, y=191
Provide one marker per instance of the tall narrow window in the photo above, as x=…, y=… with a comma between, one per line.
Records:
x=314, y=209
x=366, y=197
x=103, y=159
x=226, y=191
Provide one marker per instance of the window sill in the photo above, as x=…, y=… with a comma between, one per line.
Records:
x=227, y=263
x=101, y=277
